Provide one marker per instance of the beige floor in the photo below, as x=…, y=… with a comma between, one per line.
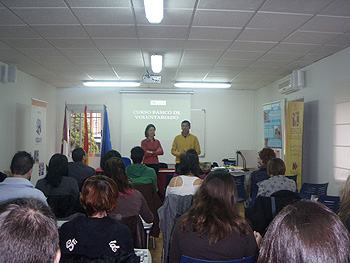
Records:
x=157, y=253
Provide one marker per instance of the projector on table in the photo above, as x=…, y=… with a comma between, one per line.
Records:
x=152, y=79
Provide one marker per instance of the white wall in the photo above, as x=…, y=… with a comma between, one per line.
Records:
x=15, y=116
x=234, y=118
x=229, y=123
x=322, y=78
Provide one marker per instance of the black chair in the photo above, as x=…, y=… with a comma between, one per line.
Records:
x=308, y=189
x=240, y=186
x=154, y=203
x=163, y=165
x=127, y=161
x=120, y=256
x=185, y=259
x=64, y=206
x=332, y=202
x=138, y=232
x=266, y=208
x=167, y=181
x=292, y=177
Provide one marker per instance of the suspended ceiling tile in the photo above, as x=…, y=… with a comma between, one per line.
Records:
x=104, y=16
x=315, y=38
x=214, y=33
x=237, y=19
x=208, y=44
x=149, y=32
x=60, y=31
x=46, y=16
x=295, y=6
x=17, y=32
x=252, y=46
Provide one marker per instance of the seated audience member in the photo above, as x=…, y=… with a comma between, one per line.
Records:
x=78, y=169
x=2, y=176
x=130, y=201
x=265, y=155
x=138, y=172
x=212, y=229
x=19, y=186
x=28, y=232
x=196, y=167
x=97, y=235
x=107, y=155
x=277, y=181
x=344, y=211
x=188, y=182
x=304, y=232
x=56, y=181
x=62, y=192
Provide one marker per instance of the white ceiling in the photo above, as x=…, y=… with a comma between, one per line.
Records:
x=249, y=43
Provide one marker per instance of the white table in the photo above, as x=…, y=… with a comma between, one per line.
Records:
x=144, y=254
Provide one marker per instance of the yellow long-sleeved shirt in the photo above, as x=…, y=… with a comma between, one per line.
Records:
x=182, y=143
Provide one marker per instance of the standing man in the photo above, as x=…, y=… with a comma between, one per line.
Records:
x=19, y=186
x=184, y=142
x=78, y=169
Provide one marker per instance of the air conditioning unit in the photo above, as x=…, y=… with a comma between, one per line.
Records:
x=295, y=83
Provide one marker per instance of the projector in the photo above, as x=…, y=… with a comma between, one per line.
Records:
x=152, y=79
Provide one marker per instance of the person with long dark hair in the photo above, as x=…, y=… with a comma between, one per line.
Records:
x=152, y=148
x=188, y=181
x=56, y=181
x=304, y=232
x=212, y=229
x=131, y=201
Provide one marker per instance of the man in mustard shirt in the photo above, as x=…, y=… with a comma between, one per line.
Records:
x=184, y=142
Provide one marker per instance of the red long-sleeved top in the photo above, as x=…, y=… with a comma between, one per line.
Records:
x=155, y=147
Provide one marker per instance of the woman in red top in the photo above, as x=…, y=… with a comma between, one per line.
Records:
x=152, y=148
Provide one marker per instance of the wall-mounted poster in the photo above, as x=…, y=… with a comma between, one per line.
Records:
x=38, y=138
x=274, y=119
x=36, y=157
x=294, y=141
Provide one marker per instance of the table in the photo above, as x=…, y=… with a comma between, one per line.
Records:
x=144, y=254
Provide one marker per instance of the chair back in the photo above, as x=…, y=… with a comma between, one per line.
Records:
x=127, y=161
x=173, y=206
x=292, y=177
x=167, y=181
x=136, y=226
x=163, y=165
x=185, y=259
x=240, y=186
x=153, y=202
x=332, y=202
x=308, y=189
x=266, y=208
x=64, y=206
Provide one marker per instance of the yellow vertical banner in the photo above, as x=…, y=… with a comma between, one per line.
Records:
x=294, y=139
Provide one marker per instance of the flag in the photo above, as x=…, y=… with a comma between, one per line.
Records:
x=106, y=138
x=86, y=137
x=64, y=132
